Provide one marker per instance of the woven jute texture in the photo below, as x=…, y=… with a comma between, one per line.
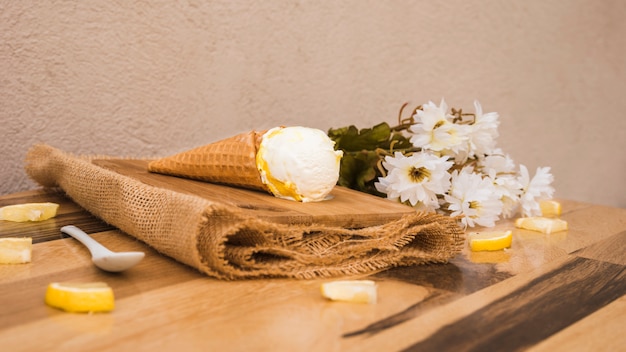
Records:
x=218, y=240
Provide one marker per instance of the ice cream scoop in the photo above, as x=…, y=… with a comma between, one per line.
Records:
x=298, y=163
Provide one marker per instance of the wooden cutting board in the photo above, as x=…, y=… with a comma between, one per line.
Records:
x=346, y=208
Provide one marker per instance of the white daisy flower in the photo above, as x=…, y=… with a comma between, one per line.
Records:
x=417, y=179
x=484, y=131
x=498, y=161
x=534, y=190
x=474, y=198
x=435, y=130
x=501, y=169
x=486, y=184
x=382, y=185
x=508, y=188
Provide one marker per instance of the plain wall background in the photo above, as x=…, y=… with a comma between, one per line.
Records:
x=150, y=78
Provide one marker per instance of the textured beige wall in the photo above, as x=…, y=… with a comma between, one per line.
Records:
x=148, y=78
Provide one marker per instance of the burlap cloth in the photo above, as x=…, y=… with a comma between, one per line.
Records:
x=218, y=240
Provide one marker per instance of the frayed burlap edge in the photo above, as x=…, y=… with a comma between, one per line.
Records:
x=218, y=240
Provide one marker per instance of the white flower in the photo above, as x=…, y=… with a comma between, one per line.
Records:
x=474, y=198
x=534, y=190
x=382, y=185
x=435, y=130
x=508, y=188
x=418, y=179
x=486, y=184
x=501, y=169
x=498, y=161
x=483, y=132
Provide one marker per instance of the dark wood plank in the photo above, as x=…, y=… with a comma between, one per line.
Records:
x=435, y=299
x=469, y=272
x=68, y=214
x=446, y=283
x=610, y=249
x=535, y=311
x=34, y=196
x=459, y=275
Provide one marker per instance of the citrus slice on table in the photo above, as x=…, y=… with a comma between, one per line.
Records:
x=16, y=250
x=541, y=224
x=80, y=298
x=550, y=208
x=490, y=240
x=356, y=291
x=28, y=212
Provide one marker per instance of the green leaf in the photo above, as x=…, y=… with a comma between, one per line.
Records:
x=351, y=139
x=358, y=171
x=363, y=150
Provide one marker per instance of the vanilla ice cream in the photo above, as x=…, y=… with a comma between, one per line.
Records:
x=298, y=163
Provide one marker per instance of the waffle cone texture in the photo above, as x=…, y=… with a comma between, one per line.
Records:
x=231, y=161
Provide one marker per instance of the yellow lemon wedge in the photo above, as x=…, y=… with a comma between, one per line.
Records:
x=29, y=212
x=356, y=291
x=550, y=208
x=541, y=224
x=80, y=298
x=490, y=240
x=16, y=250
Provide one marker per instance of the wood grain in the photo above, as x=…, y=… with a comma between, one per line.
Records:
x=346, y=207
x=530, y=314
x=610, y=250
x=565, y=292
x=68, y=214
x=605, y=325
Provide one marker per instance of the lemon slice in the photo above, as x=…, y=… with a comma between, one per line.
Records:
x=356, y=291
x=541, y=224
x=490, y=240
x=550, y=208
x=80, y=298
x=16, y=250
x=28, y=212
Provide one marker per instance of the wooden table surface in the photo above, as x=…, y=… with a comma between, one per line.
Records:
x=565, y=291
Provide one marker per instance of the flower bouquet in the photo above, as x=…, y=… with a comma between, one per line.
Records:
x=443, y=161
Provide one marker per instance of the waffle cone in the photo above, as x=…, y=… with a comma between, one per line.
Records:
x=230, y=161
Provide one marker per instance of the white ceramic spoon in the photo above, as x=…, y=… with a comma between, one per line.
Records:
x=102, y=257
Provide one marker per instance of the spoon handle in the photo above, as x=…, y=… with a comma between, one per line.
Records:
x=94, y=246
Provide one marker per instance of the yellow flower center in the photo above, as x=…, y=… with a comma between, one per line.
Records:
x=438, y=124
x=474, y=205
x=419, y=174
